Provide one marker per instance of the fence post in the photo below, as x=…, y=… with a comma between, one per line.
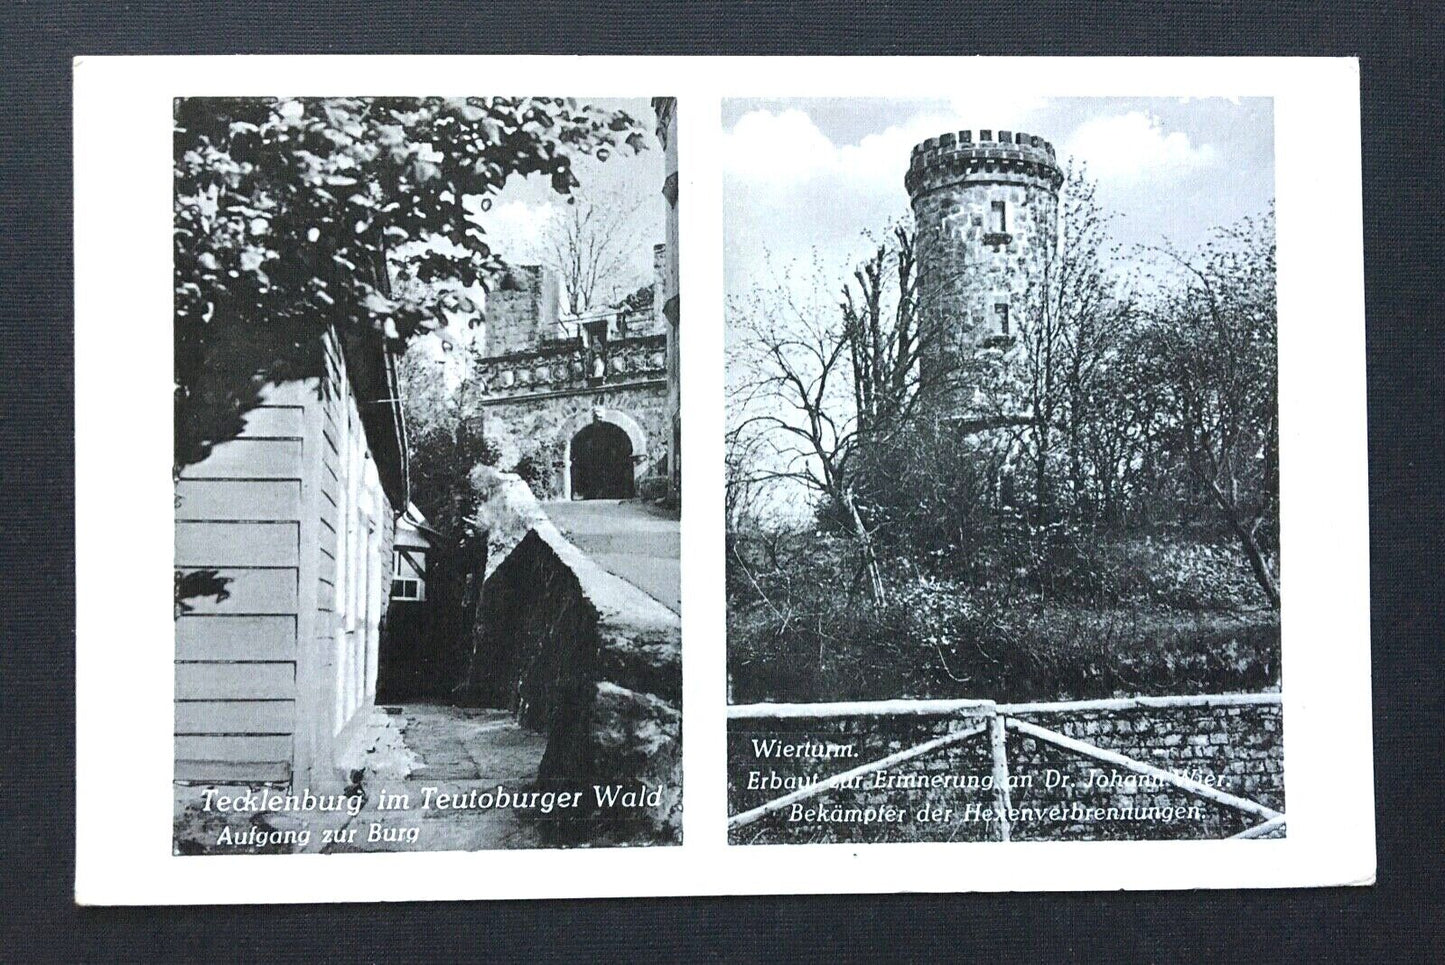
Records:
x=1001, y=804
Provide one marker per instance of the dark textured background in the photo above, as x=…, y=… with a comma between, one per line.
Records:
x=1399, y=44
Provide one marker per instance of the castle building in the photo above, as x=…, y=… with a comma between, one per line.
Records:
x=986, y=213
x=586, y=398
x=595, y=401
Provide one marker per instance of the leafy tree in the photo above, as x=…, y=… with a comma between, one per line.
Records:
x=446, y=435
x=295, y=214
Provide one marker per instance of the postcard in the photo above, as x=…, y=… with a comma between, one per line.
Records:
x=997, y=521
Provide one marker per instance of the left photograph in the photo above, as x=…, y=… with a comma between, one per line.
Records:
x=427, y=488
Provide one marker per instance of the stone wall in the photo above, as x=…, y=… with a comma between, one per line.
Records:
x=543, y=427
x=1236, y=749
x=506, y=509
x=596, y=665
x=567, y=365
x=668, y=293
x=521, y=310
x=540, y=384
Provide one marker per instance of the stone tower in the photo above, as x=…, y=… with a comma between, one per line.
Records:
x=986, y=212
x=521, y=311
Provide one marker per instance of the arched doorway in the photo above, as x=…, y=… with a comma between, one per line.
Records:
x=602, y=463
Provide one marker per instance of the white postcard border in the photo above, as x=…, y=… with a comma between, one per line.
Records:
x=124, y=510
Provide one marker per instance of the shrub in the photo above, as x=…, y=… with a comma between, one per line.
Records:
x=936, y=638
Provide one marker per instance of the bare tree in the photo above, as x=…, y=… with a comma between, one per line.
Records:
x=884, y=330
x=741, y=491
x=793, y=405
x=1071, y=322
x=1215, y=339
x=1095, y=316
x=590, y=243
x=819, y=388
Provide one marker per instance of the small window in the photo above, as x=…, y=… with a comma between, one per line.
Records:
x=999, y=219
x=1000, y=312
x=406, y=589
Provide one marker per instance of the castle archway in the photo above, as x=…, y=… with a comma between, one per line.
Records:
x=602, y=463
x=604, y=450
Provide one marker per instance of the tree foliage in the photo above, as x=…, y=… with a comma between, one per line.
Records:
x=451, y=433
x=295, y=214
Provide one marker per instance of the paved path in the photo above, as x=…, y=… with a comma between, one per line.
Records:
x=455, y=750
x=635, y=540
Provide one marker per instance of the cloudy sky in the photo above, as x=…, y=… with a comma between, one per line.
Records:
x=811, y=175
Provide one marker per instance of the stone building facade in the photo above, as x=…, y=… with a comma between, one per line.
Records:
x=666, y=262
x=595, y=402
x=586, y=399
x=987, y=213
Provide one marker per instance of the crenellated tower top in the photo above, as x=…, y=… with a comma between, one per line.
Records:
x=957, y=158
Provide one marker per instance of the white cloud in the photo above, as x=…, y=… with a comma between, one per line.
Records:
x=1010, y=112
x=515, y=228
x=793, y=192
x=785, y=149
x=778, y=148
x=1127, y=146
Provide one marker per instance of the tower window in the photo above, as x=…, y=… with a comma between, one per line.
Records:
x=998, y=221
x=1000, y=312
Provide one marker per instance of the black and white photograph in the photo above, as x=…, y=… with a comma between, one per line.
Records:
x=427, y=477
x=1002, y=455
x=1059, y=563
x=1026, y=486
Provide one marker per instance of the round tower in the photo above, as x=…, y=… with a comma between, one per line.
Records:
x=986, y=213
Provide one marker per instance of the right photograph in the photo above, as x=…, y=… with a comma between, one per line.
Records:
x=1002, y=470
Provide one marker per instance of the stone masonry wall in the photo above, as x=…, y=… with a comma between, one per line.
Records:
x=539, y=385
x=542, y=427
x=596, y=665
x=968, y=264
x=521, y=311
x=968, y=269
x=1236, y=749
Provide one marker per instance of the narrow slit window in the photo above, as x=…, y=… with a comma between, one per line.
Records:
x=999, y=218
x=1000, y=312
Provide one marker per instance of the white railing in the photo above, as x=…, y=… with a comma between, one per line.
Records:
x=978, y=717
